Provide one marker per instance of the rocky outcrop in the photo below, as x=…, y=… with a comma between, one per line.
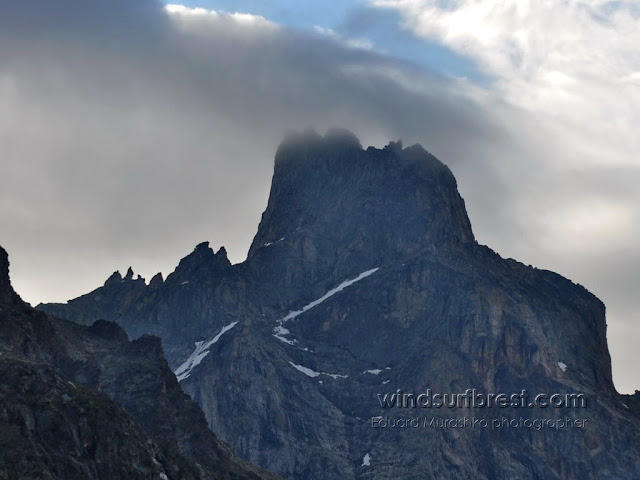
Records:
x=364, y=278
x=52, y=428
x=86, y=403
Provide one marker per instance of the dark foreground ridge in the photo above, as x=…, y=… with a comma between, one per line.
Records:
x=364, y=278
x=82, y=402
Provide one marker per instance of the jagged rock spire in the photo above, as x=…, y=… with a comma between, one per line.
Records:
x=115, y=278
x=156, y=280
x=129, y=275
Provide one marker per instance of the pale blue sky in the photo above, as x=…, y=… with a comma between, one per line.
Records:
x=355, y=20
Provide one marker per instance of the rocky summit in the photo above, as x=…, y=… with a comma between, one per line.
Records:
x=365, y=303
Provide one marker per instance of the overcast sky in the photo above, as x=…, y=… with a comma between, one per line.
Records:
x=131, y=131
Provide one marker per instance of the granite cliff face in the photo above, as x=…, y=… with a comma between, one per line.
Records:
x=81, y=402
x=364, y=278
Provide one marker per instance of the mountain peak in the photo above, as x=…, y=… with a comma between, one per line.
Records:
x=114, y=279
x=375, y=200
x=222, y=253
x=156, y=280
x=372, y=255
x=129, y=275
x=202, y=259
x=202, y=247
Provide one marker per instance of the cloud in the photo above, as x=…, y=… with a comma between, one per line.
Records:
x=191, y=18
x=359, y=43
x=574, y=64
x=131, y=131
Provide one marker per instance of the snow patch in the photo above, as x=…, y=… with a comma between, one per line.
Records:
x=307, y=371
x=201, y=351
x=330, y=293
x=563, y=366
x=366, y=461
x=377, y=371
x=279, y=331
x=271, y=243
x=311, y=373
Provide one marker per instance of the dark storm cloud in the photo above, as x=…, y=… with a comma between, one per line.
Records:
x=129, y=135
